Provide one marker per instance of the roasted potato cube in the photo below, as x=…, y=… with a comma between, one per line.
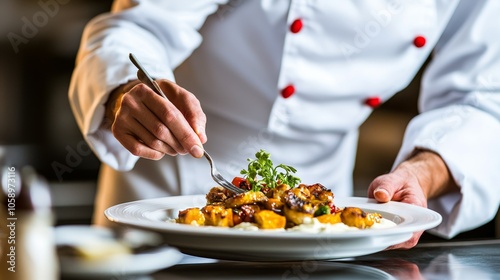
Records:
x=267, y=219
x=330, y=218
x=217, y=215
x=190, y=216
x=355, y=217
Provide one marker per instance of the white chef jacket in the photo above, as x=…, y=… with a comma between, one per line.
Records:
x=296, y=78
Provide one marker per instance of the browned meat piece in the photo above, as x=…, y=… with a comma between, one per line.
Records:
x=267, y=191
x=279, y=192
x=249, y=197
x=244, y=214
x=321, y=193
x=297, y=205
x=274, y=205
x=218, y=194
x=355, y=217
x=303, y=202
x=298, y=199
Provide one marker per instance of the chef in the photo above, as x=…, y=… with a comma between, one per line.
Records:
x=296, y=78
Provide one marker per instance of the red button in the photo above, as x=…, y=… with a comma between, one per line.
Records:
x=419, y=41
x=373, y=101
x=296, y=26
x=288, y=91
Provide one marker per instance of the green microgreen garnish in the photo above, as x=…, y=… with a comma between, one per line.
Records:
x=262, y=173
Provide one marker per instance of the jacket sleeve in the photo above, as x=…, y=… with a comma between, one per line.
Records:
x=160, y=33
x=460, y=119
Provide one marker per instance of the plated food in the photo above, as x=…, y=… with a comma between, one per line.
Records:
x=159, y=215
x=276, y=200
x=225, y=227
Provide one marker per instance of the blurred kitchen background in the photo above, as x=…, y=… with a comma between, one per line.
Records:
x=37, y=126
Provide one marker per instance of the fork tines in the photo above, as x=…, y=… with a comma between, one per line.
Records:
x=228, y=185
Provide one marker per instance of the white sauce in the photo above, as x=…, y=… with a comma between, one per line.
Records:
x=246, y=227
x=314, y=226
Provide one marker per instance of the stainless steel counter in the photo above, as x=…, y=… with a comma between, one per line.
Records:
x=477, y=260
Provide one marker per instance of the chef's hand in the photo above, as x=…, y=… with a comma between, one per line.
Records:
x=421, y=177
x=150, y=126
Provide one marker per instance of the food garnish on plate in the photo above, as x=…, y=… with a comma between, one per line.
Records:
x=276, y=200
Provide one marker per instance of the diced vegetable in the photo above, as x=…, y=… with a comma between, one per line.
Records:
x=191, y=215
x=241, y=182
x=267, y=219
x=322, y=210
x=217, y=215
x=330, y=218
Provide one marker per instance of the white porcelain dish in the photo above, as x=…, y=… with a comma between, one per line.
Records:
x=231, y=244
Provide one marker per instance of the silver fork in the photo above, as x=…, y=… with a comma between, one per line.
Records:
x=218, y=177
x=144, y=77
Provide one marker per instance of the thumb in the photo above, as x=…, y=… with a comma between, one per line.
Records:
x=382, y=195
x=383, y=188
x=200, y=131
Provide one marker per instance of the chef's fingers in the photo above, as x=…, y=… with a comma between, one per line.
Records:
x=137, y=139
x=173, y=118
x=412, y=242
x=159, y=136
x=146, y=137
x=133, y=118
x=189, y=106
x=135, y=146
x=383, y=187
x=401, y=185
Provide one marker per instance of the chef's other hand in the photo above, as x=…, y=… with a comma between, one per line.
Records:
x=421, y=177
x=150, y=126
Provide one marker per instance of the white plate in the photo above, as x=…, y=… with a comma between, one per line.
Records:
x=111, y=266
x=231, y=244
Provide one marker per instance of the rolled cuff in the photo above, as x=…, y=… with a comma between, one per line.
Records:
x=467, y=140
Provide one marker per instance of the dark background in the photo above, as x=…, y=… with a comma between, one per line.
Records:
x=37, y=126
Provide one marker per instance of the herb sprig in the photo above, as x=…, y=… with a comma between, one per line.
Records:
x=262, y=173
